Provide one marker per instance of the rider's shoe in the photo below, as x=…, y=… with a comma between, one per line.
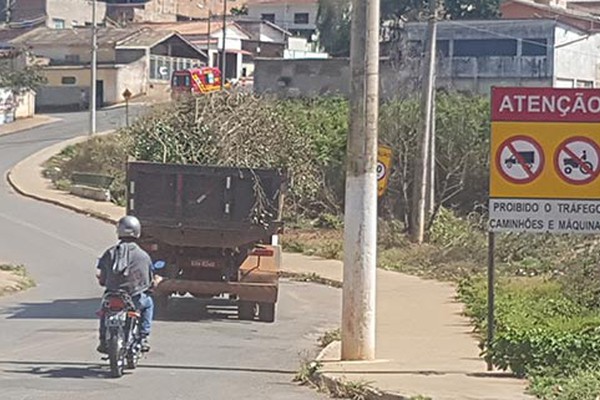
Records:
x=102, y=348
x=145, y=345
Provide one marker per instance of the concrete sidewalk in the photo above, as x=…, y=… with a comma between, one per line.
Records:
x=424, y=344
x=26, y=123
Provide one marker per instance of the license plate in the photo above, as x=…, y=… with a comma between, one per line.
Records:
x=115, y=320
x=204, y=263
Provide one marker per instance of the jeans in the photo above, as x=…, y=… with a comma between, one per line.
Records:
x=145, y=305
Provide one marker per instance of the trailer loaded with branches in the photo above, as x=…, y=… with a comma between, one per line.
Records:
x=214, y=227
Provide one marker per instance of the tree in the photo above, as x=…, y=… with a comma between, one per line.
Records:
x=333, y=24
x=472, y=9
x=19, y=73
x=241, y=10
x=413, y=10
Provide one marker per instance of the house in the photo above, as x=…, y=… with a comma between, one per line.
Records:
x=207, y=36
x=296, y=16
x=14, y=105
x=268, y=40
x=188, y=10
x=265, y=38
x=140, y=60
x=571, y=13
x=124, y=11
x=475, y=55
x=58, y=14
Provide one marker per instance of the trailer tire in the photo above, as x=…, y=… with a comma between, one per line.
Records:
x=266, y=312
x=246, y=310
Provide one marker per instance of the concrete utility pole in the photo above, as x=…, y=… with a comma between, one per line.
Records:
x=223, y=55
x=423, y=163
x=360, y=222
x=93, y=72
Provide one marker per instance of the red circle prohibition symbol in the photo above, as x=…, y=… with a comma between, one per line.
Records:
x=576, y=162
x=518, y=158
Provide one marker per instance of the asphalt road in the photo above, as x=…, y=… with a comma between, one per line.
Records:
x=48, y=334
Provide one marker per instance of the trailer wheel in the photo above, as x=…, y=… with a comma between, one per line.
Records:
x=161, y=303
x=266, y=312
x=246, y=310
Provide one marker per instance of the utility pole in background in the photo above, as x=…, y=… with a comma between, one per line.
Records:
x=9, y=6
x=93, y=72
x=425, y=159
x=223, y=55
x=360, y=217
x=431, y=191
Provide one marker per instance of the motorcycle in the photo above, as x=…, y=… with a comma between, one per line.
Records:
x=121, y=321
x=122, y=332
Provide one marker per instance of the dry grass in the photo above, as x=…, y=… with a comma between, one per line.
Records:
x=14, y=278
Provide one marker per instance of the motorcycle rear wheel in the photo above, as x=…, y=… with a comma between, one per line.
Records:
x=115, y=356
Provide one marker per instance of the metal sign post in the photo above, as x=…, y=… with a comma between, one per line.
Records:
x=126, y=95
x=491, y=322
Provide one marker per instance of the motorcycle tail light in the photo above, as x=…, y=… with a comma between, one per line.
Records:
x=115, y=303
x=262, y=252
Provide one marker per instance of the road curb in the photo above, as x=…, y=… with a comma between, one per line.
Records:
x=19, y=189
x=324, y=381
x=44, y=120
x=87, y=213
x=304, y=277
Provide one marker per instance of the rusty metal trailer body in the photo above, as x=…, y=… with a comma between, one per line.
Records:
x=214, y=228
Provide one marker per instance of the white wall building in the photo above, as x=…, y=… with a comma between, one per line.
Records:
x=296, y=16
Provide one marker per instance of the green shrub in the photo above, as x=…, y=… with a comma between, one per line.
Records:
x=105, y=154
x=537, y=327
x=581, y=385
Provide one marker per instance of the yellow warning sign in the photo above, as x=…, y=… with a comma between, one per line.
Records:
x=545, y=160
x=384, y=168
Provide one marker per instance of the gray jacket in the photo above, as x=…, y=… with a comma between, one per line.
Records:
x=126, y=266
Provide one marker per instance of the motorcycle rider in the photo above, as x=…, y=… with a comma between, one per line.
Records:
x=126, y=266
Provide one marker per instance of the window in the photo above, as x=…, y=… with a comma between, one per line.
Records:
x=72, y=58
x=301, y=18
x=485, y=48
x=534, y=47
x=58, y=23
x=443, y=47
x=153, y=73
x=584, y=84
x=182, y=80
x=268, y=17
x=68, y=80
